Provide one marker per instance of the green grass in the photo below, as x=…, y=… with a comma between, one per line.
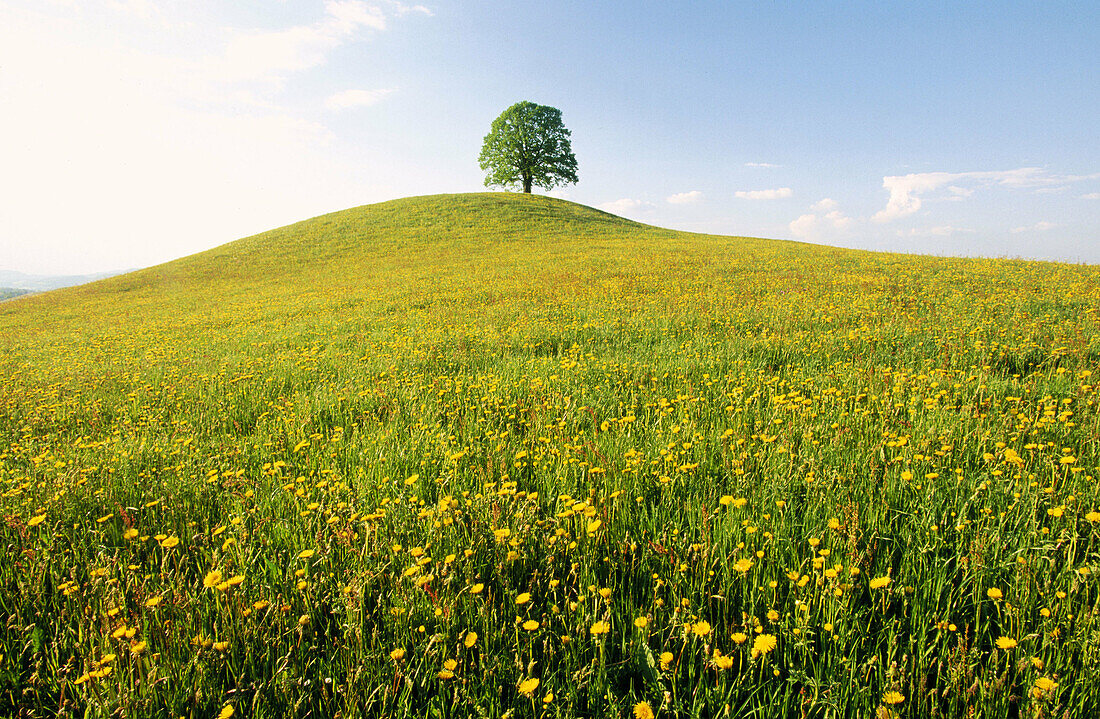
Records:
x=731, y=437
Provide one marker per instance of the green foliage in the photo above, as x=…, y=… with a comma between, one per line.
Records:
x=251, y=476
x=528, y=145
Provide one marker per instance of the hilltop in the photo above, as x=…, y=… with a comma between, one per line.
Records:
x=507, y=454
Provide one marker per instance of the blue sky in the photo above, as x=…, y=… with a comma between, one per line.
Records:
x=137, y=131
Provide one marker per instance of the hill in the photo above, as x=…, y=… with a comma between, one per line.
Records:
x=503, y=453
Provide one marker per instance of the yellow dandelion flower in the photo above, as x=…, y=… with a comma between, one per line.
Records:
x=397, y=654
x=130, y=533
x=1044, y=687
x=138, y=647
x=879, y=582
x=743, y=565
x=523, y=598
x=527, y=687
x=221, y=646
x=306, y=553
x=226, y=712
x=234, y=581
x=1093, y=516
x=642, y=710
x=37, y=520
x=477, y=588
x=1005, y=642
x=893, y=698
x=470, y=640
x=666, y=659
x=641, y=622
x=994, y=593
x=169, y=542
x=154, y=602
x=600, y=628
x=701, y=628
x=739, y=637
x=548, y=698
x=530, y=625
x=212, y=579
x=763, y=644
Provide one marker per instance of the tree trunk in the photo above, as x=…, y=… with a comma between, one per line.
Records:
x=527, y=183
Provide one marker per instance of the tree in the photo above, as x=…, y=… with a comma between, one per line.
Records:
x=528, y=145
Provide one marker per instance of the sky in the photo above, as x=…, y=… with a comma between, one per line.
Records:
x=133, y=132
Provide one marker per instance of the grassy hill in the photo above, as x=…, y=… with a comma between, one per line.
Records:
x=499, y=453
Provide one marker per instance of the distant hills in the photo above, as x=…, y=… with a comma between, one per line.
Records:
x=13, y=284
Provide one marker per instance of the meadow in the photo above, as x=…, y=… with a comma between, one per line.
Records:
x=503, y=455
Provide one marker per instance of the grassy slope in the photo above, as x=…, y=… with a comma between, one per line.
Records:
x=444, y=337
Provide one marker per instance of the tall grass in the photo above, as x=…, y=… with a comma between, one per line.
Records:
x=407, y=459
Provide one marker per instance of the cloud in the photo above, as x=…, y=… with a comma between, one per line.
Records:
x=625, y=206
x=775, y=194
x=825, y=222
x=1042, y=226
x=906, y=191
x=685, y=198
x=1091, y=196
x=761, y=164
x=355, y=98
x=937, y=231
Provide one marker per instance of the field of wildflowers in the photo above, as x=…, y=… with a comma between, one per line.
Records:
x=501, y=455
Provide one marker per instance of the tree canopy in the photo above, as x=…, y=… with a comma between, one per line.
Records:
x=528, y=145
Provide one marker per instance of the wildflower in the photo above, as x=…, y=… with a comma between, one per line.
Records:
x=1044, y=687
x=448, y=669
x=701, y=628
x=527, y=687
x=523, y=598
x=994, y=593
x=1093, y=516
x=763, y=644
x=398, y=654
x=154, y=602
x=722, y=661
x=600, y=628
x=476, y=589
x=138, y=648
x=743, y=565
x=169, y=542
x=212, y=579
x=893, y=698
x=530, y=625
x=666, y=659
x=641, y=622
x=548, y=698
x=306, y=553
x=470, y=640
x=1005, y=642
x=739, y=638
x=879, y=582
x=642, y=710
x=226, y=712
x=130, y=533
x=35, y=521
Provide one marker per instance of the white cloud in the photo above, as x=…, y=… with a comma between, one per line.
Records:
x=775, y=194
x=824, y=222
x=1042, y=226
x=1091, y=196
x=906, y=191
x=625, y=206
x=355, y=98
x=937, y=231
x=685, y=198
x=761, y=164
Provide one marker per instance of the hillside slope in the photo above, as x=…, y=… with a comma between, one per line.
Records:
x=491, y=454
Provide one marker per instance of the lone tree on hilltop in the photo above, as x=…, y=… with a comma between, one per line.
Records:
x=528, y=145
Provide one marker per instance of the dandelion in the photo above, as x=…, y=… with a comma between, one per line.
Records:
x=470, y=640
x=600, y=628
x=212, y=579
x=893, y=697
x=522, y=598
x=666, y=659
x=701, y=628
x=527, y=687
x=1005, y=642
x=154, y=602
x=1043, y=688
x=994, y=593
x=37, y=520
x=763, y=644
x=477, y=588
x=530, y=625
x=739, y=637
x=641, y=622
x=226, y=712
x=743, y=565
x=549, y=698
x=306, y=553
x=169, y=542
x=642, y=710
x=398, y=654
x=130, y=533
x=879, y=582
